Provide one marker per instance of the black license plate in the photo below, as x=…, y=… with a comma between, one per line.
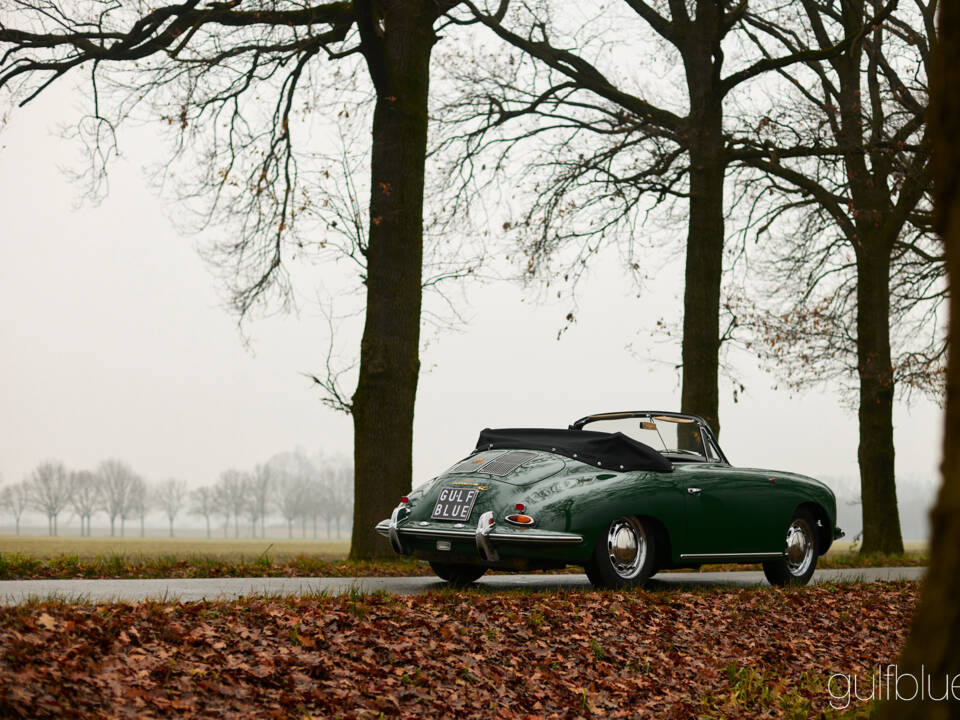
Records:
x=455, y=504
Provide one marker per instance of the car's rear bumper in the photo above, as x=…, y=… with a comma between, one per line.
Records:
x=486, y=537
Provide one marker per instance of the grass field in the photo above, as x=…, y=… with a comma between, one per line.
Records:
x=244, y=549
x=98, y=557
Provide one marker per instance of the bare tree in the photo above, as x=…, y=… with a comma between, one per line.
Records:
x=139, y=503
x=203, y=502
x=50, y=491
x=321, y=504
x=16, y=499
x=341, y=497
x=613, y=143
x=117, y=480
x=170, y=496
x=292, y=473
x=857, y=266
x=931, y=649
x=210, y=70
x=232, y=491
x=291, y=491
x=259, y=495
x=87, y=497
x=223, y=504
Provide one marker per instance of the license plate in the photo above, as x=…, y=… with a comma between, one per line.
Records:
x=455, y=504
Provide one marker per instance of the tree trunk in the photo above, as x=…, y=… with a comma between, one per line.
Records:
x=934, y=642
x=398, y=38
x=881, y=521
x=290, y=528
x=113, y=519
x=705, y=228
x=701, y=296
x=141, y=525
x=208, y=526
x=171, y=527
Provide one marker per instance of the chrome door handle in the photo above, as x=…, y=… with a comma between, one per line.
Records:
x=693, y=491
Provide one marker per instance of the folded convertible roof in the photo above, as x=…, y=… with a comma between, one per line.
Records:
x=612, y=451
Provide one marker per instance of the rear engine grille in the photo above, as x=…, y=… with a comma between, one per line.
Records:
x=472, y=463
x=507, y=463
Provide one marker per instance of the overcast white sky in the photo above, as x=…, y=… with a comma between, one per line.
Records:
x=115, y=343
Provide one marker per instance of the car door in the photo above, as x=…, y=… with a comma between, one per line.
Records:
x=729, y=512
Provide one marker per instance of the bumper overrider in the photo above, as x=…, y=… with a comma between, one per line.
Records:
x=486, y=536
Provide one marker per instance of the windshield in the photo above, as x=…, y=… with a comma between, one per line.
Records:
x=679, y=438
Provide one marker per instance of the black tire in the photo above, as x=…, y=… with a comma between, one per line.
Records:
x=625, y=555
x=801, y=552
x=458, y=574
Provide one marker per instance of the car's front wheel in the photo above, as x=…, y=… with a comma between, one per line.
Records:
x=624, y=555
x=800, y=554
x=458, y=574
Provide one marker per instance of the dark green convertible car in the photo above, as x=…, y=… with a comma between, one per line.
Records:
x=623, y=494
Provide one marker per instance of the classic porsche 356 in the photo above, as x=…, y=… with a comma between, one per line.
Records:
x=623, y=494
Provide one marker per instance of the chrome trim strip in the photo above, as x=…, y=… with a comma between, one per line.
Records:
x=530, y=537
x=713, y=556
x=383, y=527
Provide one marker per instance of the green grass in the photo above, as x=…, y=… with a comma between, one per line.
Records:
x=243, y=549
x=21, y=566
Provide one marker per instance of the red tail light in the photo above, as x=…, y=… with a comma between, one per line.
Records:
x=520, y=519
x=520, y=507
x=404, y=500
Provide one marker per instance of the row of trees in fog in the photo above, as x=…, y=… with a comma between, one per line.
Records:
x=290, y=485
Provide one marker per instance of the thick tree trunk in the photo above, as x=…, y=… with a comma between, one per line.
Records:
x=934, y=642
x=701, y=296
x=881, y=520
x=705, y=229
x=398, y=38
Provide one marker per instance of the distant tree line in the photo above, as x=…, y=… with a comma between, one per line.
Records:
x=299, y=489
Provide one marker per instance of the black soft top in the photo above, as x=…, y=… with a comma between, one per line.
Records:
x=613, y=451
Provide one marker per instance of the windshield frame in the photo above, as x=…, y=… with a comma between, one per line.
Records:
x=706, y=434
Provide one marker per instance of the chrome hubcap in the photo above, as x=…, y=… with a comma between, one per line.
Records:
x=800, y=547
x=626, y=547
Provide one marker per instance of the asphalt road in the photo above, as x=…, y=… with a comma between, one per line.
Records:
x=15, y=592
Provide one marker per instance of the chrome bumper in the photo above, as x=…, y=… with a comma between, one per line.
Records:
x=485, y=536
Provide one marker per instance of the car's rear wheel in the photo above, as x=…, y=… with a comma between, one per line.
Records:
x=458, y=573
x=624, y=555
x=800, y=554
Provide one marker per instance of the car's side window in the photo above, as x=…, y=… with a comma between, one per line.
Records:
x=712, y=454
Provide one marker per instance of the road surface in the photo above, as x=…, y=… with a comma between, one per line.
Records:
x=14, y=592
